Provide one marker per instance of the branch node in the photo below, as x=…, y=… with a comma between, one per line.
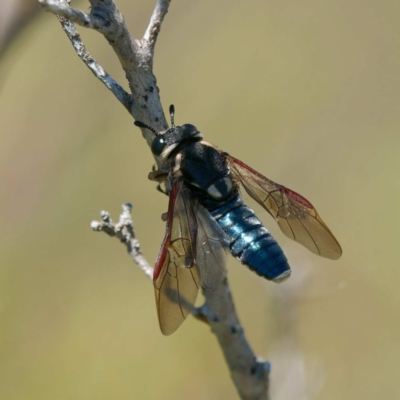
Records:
x=124, y=231
x=127, y=207
x=260, y=367
x=95, y=225
x=200, y=313
x=105, y=216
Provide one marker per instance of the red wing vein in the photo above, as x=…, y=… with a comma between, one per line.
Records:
x=294, y=212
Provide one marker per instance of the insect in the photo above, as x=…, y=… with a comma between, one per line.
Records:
x=207, y=217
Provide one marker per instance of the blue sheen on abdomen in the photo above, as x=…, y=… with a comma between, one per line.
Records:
x=250, y=242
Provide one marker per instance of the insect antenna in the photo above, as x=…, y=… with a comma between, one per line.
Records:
x=172, y=115
x=141, y=124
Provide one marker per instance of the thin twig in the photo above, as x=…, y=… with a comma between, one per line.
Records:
x=123, y=230
x=62, y=9
x=124, y=97
x=156, y=20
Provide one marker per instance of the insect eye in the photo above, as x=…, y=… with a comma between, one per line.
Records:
x=157, y=146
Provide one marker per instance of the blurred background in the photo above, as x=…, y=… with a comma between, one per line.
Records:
x=307, y=93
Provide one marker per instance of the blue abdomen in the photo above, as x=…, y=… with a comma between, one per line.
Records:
x=250, y=242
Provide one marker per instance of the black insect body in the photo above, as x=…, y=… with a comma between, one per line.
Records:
x=206, y=216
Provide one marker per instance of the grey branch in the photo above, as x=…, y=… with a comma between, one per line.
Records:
x=135, y=55
x=62, y=9
x=123, y=230
x=98, y=71
x=249, y=374
x=156, y=20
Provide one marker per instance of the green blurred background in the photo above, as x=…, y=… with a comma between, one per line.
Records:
x=305, y=92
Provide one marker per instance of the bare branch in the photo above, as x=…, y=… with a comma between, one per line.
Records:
x=124, y=231
x=136, y=56
x=94, y=20
x=98, y=71
x=156, y=20
x=62, y=9
x=249, y=373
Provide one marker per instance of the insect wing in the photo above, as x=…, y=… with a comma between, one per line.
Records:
x=295, y=215
x=211, y=249
x=176, y=276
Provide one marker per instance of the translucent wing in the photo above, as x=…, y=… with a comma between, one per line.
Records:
x=295, y=215
x=193, y=252
x=176, y=275
x=211, y=246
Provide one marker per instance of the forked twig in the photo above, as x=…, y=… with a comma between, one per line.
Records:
x=69, y=28
x=123, y=230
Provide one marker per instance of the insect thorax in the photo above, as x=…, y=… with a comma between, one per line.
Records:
x=206, y=174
